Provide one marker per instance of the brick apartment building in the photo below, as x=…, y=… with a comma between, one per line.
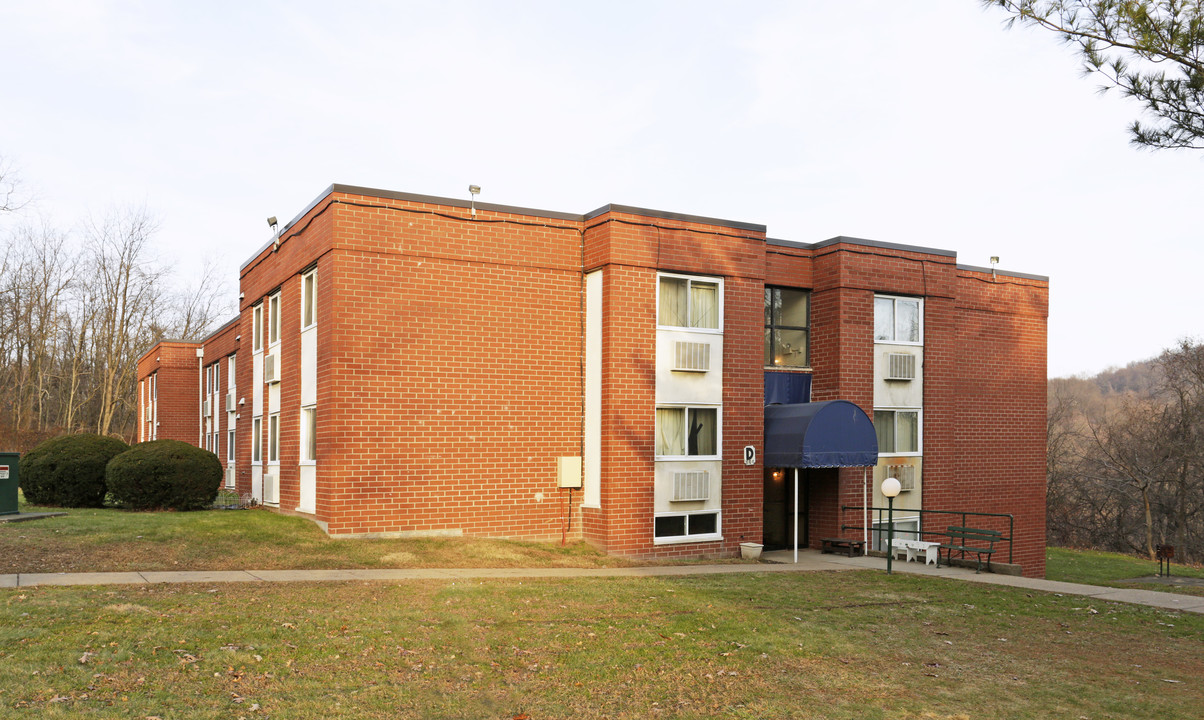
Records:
x=407, y=365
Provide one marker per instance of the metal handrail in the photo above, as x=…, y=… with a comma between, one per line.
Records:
x=922, y=532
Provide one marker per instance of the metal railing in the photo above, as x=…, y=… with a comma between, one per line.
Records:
x=880, y=528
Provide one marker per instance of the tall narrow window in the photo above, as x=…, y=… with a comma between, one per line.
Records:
x=309, y=434
x=309, y=299
x=274, y=319
x=257, y=440
x=688, y=303
x=787, y=319
x=274, y=438
x=257, y=328
x=230, y=446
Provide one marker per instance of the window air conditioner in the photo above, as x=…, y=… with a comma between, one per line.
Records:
x=905, y=474
x=900, y=366
x=205, y=409
x=691, y=356
x=230, y=402
x=271, y=373
x=691, y=485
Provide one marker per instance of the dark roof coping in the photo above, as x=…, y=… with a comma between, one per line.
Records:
x=645, y=212
x=218, y=331
x=1008, y=273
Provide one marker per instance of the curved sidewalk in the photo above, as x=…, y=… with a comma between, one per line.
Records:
x=808, y=561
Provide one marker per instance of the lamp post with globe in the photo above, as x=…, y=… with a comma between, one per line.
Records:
x=890, y=489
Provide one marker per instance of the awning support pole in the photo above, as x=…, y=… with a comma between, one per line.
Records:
x=865, y=509
x=796, y=516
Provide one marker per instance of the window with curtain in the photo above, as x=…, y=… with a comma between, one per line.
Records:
x=688, y=303
x=898, y=431
x=682, y=432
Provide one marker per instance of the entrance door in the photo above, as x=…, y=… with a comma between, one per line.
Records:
x=778, y=515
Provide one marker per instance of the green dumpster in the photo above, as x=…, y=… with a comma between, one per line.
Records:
x=8, y=482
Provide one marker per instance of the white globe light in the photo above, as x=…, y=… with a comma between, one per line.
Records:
x=891, y=487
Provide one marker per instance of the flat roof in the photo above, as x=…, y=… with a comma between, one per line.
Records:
x=612, y=207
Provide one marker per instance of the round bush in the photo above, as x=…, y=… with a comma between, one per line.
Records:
x=165, y=474
x=69, y=470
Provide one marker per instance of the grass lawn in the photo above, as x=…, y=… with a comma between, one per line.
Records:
x=1112, y=569
x=102, y=540
x=815, y=645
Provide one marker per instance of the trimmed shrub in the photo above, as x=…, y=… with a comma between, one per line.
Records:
x=69, y=470
x=167, y=474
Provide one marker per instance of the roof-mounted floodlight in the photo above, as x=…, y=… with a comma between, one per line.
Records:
x=474, y=190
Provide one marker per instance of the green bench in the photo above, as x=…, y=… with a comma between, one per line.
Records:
x=969, y=540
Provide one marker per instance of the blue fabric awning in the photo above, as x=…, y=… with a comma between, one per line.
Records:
x=835, y=433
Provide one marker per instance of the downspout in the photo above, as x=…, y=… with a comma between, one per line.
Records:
x=795, y=516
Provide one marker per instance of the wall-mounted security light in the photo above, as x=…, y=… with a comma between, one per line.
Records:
x=474, y=190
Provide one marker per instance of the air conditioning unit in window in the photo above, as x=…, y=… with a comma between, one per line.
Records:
x=905, y=474
x=691, y=485
x=900, y=366
x=230, y=404
x=691, y=356
x=271, y=371
x=205, y=409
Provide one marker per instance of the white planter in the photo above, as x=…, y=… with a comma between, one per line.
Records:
x=750, y=551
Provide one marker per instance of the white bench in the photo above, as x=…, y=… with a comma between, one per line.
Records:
x=914, y=548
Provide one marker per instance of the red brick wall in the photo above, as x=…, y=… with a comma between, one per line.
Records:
x=177, y=371
x=450, y=369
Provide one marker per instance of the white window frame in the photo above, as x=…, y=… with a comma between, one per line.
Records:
x=308, y=435
x=257, y=440
x=230, y=440
x=894, y=311
x=919, y=431
x=687, y=538
x=257, y=328
x=274, y=439
x=685, y=426
x=274, y=330
x=310, y=303
x=717, y=281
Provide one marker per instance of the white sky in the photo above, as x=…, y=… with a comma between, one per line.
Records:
x=918, y=123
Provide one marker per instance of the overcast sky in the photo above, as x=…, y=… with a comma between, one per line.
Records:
x=923, y=123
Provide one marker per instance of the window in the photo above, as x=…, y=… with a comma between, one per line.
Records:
x=257, y=440
x=687, y=431
x=690, y=525
x=274, y=319
x=309, y=299
x=897, y=319
x=309, y=434
x=787, y=317
x=230, y=446
x=274, y=438
x=257, y=328
x=898, y=431
x=688, y=303
x=230, y=370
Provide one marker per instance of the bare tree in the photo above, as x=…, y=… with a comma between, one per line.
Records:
x=125, y=294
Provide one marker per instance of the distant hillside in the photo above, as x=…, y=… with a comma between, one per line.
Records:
x=1139, y=377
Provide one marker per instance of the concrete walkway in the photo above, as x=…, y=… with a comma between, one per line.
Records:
x=782, y=561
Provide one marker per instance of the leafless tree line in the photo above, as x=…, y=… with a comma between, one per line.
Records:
x=76, y=311
x=1126, y=466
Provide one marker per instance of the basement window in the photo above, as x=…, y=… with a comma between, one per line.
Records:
x=687, y=527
